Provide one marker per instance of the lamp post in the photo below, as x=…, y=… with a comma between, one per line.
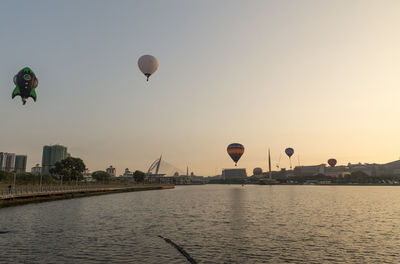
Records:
x=15, y=176
x=40, y=184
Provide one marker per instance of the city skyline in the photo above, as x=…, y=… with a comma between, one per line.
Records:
x=321, y=77
x=113, y=171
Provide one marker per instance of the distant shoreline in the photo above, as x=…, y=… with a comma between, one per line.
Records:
x=14, y=200
x=294, y=184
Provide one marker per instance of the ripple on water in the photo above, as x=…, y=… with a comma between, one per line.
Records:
x=213, y=223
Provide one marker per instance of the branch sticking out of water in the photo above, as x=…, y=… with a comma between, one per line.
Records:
x=180, y=249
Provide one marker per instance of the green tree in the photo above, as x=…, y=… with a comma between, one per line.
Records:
x=101, y=176
x=358, y=177
x=6, y=177
x=69, y=168
x=139, y=176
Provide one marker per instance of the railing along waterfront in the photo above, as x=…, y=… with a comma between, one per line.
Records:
x=20, y=190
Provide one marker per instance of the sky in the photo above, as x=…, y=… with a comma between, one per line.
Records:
x=319, y=76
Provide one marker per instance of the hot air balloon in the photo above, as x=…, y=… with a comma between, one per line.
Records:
x=332, y=162
x=25, y=83
x=289, y=152
x=235, y=150
x=257, y=171
x=148, y=65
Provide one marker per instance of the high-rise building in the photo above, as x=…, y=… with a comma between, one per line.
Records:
x=7, y=161
x=111, y=170
x=36, y=170
x=20, y=163
x=52, y=154
x=3, y=159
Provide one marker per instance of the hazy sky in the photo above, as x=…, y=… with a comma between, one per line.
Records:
x=320, y=76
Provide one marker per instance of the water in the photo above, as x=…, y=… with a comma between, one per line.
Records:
x=213, y=223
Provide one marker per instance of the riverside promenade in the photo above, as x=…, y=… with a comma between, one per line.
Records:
x=31, y=194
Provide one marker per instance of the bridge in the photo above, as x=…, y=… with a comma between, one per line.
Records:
x=162, y=172
x=161, y=168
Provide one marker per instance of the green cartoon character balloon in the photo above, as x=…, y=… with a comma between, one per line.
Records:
x=25, y=83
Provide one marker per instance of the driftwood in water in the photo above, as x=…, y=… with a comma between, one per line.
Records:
x=180, y=249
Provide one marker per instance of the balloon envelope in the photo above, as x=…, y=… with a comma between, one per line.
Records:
x=148, y=65
x=257, y=171
x=289, y=151
x=235, y=150
x=332, y=162
x=25, y=83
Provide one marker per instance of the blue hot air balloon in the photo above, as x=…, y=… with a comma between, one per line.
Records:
x=289, y=152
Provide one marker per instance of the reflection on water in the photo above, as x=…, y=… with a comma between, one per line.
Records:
x=214, y=223
x=238, y=209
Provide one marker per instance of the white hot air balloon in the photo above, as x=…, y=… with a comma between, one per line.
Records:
x=148, y=65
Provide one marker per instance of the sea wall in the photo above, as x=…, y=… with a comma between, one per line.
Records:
x=19, y=199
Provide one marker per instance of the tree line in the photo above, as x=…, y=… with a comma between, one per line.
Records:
x=68, y=170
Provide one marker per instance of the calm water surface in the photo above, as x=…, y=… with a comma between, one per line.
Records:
x=214, y=223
